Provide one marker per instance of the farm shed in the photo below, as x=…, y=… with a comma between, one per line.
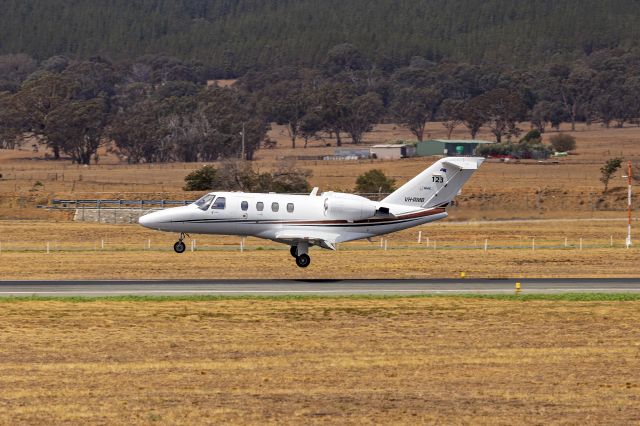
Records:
x=450, y=147
x=392, y=151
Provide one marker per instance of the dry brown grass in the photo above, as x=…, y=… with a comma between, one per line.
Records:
x=577, y=172
x=404, y=361
x=75, y=253
x=529, y=189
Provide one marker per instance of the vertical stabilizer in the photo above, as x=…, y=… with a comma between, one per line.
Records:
x=438, y=184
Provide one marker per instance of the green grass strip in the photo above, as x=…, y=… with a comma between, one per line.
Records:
x=568, y=297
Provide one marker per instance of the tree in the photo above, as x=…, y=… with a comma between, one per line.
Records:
x=55, y=64
x=531, y=135
x=225, y=110
x=332, y=102
x=607, y=171
x=239, y=175
x=10, y=122
x=78, y=127
x=362, y=113
x=37, y=99
x=202, y=179
x=310, y=126
x=188, y=135
x=473, y=115
x=91, y=79
x=137, y=131
x=524, y=148
x=16, y=67
x=344, y=57
x=632, y=99
x=502, y=110
x=574, y=86
x=541, y=115
x=374, y=181
x=563, y=142
x=414, y=108
x=235, y=175
x=287, y=102
x=285, y=178
x=451, y=114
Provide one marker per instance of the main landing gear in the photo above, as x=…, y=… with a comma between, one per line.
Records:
x=300, y=253
x=180, y=247
x=303, y=260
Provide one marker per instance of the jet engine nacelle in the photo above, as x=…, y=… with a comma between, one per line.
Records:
x=348, y=207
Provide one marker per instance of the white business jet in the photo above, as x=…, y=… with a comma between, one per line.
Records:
x=303, y=221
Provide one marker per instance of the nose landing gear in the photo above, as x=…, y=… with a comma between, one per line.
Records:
x=180, y=247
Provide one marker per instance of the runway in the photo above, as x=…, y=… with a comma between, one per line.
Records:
x=318, y=287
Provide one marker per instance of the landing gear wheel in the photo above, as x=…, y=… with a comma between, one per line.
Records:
x=179, y=247
x=294, y=251
x=303, y=260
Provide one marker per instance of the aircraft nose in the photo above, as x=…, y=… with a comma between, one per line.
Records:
x=148, y=220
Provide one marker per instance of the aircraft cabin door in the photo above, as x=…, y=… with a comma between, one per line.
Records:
x=218, y=207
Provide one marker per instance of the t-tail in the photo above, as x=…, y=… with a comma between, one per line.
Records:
x=438, y=185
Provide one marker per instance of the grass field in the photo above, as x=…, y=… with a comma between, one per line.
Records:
x=521, y=249
x=267, y=361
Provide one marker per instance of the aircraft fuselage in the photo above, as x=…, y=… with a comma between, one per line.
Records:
x=278, y=217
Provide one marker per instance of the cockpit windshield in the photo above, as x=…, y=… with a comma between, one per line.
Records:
x=204, y=202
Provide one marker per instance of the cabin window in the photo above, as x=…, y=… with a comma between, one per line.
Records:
x=244, y=206
x=204, y=202
x=275, y=207
x=219, y=203
x=259, y=206
x=290, y=207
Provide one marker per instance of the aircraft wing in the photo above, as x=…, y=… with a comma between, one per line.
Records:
x=326, y=240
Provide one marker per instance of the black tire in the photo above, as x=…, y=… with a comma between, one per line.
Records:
x=179, y=247
x=294, y=251
x=303, y=260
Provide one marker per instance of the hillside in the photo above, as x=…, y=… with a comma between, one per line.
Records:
x=232, y=36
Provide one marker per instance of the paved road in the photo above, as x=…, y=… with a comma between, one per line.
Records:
x=312, y=287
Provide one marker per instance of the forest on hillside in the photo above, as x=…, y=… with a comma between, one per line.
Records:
x=230, y=37
x=77, y=75
x=158, y=108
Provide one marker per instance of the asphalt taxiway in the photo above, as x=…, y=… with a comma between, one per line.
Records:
x=320, y=287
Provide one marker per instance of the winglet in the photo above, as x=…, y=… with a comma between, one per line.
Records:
x=314, y=192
